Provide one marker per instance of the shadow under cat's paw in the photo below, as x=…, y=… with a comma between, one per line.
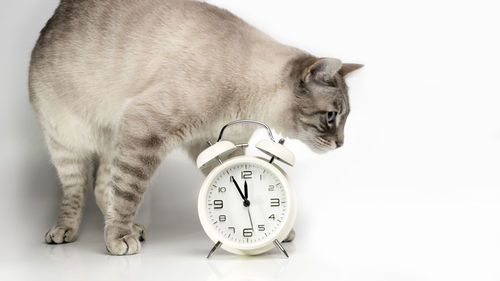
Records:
x=139, y=231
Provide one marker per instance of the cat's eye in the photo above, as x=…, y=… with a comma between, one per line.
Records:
x=331, y=116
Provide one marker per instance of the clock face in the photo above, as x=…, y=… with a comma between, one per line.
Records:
x=246, y=203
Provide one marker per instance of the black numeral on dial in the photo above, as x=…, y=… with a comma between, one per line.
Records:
x=218, y=204
x=262, y=227
x=246, y=175
x=247, y=232
x=275, y=202
x=222, y=218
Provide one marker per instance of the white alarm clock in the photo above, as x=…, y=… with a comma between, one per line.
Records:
x=246, y=205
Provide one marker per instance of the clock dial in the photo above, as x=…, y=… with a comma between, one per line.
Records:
x=246, y=203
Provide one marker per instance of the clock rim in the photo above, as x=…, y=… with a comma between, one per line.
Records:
x=268, y=243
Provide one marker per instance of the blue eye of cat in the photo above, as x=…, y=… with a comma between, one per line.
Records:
x=331, y=116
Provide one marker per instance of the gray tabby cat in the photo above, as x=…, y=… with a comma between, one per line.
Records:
x=120, y=83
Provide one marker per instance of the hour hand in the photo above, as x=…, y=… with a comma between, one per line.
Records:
x=246, y=202
x=246, y=190
x=239, y=189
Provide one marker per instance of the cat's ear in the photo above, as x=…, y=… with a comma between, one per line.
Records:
x=348, y=68
x=322, y=71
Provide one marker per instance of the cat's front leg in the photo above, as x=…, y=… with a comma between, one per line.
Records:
x=291, y=236
x=102, y=179
x=130, y=174
x=136, y=158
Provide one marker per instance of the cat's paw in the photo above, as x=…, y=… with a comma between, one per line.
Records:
x=139, y=231
x=290, y=236
x=59, y=234
x=126, y=245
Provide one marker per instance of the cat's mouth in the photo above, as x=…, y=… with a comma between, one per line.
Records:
x=322, y=148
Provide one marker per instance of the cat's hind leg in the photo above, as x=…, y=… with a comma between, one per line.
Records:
x=72, y=167
x=102, y=180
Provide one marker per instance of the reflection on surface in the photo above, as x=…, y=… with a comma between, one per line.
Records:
x=72, y=254
x=239, y=268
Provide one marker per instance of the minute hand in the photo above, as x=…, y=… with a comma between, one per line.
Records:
x=239, y=189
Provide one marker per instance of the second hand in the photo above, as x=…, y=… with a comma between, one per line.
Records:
x=248, y=204
x=251, y=223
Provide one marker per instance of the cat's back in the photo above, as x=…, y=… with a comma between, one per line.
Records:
x=109, y=28
x=104, y=46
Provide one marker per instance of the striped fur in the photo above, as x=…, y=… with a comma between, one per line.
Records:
x=72, y=168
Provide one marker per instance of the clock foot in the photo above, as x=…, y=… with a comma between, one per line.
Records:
x=215, y=248
x=280, y=247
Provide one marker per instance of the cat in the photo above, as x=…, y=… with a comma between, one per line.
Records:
x=120, y=83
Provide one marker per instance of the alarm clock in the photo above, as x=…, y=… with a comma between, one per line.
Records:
x=246, y=204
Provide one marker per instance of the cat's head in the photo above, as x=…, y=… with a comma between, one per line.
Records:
x=321, y=101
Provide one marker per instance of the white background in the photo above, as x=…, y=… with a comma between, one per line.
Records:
x=413, y=195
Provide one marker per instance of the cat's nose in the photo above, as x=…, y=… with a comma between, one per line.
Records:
x=339, y=143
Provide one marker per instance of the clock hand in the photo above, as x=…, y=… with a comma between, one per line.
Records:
x=239, y=190
x=251, y=223
x=246, y=202
x=246, y=190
